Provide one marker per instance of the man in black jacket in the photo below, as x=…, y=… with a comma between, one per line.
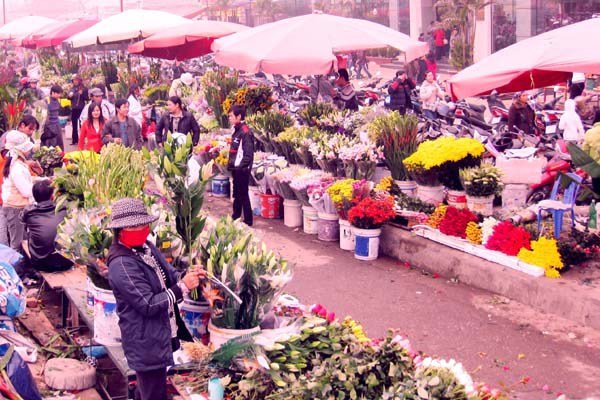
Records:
x=41, y=221
x=177, y=120
x=399, y=91
x=241, y=157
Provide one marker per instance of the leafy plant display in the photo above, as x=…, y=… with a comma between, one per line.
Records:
x=267, y=125
x=314, y=111
x=255, y=99
x=49, y=158
x=217, y=86
x=482, y=181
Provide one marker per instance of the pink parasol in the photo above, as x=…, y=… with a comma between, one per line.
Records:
x=540, y=61
x=307, y=44
x=55, y=34
x=185, y=41
x=19, y=28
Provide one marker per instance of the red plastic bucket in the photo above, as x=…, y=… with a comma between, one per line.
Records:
x=270, y=206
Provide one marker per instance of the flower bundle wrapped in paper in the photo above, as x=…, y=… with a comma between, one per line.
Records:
x=263, y=170
x=294, y=143
x=319, y=198
x=283, y=178
x=326, y=151
x=346, y=193
x=305, y=179
x=360, y=159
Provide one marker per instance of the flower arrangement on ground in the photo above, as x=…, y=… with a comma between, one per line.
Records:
x=482, y=181
x=371, y=213
x=544, y=253
x=436, y=218
x=340, y=121
x=508, y=239
x=397, y=134
x=440, y=160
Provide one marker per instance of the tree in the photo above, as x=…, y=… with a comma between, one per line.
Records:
x=267, y=9
x=462, y=14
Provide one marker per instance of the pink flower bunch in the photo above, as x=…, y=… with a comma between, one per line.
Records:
x=321, y=311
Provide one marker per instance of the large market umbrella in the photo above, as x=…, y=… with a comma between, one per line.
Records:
x=55, y=34
x=130, y=24
x=21, y=27
x=307, y=44
x=539, y=61
x=185, y=41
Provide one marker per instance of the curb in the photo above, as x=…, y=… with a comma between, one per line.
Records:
x=562, y=297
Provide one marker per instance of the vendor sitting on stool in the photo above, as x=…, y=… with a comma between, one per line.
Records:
x=41, y=221
x=147, y=289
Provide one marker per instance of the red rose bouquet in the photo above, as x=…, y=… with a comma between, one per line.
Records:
x=371, y=213
x=509, y=239
x=455, y=222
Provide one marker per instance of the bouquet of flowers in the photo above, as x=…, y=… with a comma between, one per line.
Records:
x=281, y=181
x=49, y=158
x=509, y=239
x=294, y=142
x=263, y=170
x=267, y=125
x=314, y=111
x=326, y=153
x=304, y=180
x=455, y=222
x=344, y=121
x=371, y=213
x=440, y=160
x=482, y=181
x=319, y=198
x=360, y=159
x=346, y=193
x=544, y=253
x=255, y=99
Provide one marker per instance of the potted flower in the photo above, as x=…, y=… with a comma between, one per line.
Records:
x=398, y=136
x=481, y=184
x=367, y=217
x=344, y=194
x=436, y=164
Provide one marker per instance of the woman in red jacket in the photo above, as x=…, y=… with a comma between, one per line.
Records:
x=90, y=137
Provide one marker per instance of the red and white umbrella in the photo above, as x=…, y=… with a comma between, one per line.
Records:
x=307, y=44
x=55, y=34
x=185, y=41
x=19, y=28
x=540, y=61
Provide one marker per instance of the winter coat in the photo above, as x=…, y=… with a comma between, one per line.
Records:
x=89, y=139
x=570, y=123
x=112, y=130
x=187, y=124
x=522, y=117
x=400, y=94
x=241, y=152
x=143, y=308
x=41, y=221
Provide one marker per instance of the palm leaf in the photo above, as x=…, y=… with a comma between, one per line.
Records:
x=583, y=160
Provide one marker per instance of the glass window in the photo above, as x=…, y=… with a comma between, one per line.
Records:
x=552, y=14
x=504, y=27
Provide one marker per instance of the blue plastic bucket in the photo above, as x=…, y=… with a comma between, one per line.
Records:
x=196, y=316
x=220, y=186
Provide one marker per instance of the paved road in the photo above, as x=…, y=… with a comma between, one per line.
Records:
x=500, y=342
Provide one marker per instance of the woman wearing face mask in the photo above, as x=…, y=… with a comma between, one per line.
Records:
x=17, y=186
x=147, y=290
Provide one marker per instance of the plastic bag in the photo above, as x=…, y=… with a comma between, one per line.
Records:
x=9, y=256
x=18, y=373
x=13, y=298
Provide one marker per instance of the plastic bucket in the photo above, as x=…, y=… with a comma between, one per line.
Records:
x=431, y=194
x=196, y=316
x=106, y=320
x=220, y=186
x=329, y=227
x=310, y=220
x=220, y=336
x=254, y=194
x=409, y=188
x=366, y=242
x=457, y=198
x=270, y=206
x=481, y=205
x=346, y=235
x=292, y=213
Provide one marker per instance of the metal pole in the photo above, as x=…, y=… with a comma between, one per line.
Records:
x=4, y=12
x=121, y=5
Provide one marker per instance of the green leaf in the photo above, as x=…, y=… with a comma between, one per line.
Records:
x=583, y=160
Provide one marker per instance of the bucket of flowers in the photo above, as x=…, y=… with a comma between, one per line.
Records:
x=481, y=184
x=367, y=217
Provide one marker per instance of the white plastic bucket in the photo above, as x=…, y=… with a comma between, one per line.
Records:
x=196, y=316
x=106, y=320
x=481, y=205
x=457, y=199
x=292, y=213
x=366, y=244
x=220, y=336
x=329, y=227
x=310, y=220
x=431, y=194
x=254, y=194
x=346, y=235
x=409, y=188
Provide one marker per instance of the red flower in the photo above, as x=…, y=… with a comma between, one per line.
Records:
x=455, y=222
x=509, y=239
x=371, y=213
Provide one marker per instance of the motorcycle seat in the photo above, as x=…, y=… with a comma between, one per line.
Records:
x=476, y=107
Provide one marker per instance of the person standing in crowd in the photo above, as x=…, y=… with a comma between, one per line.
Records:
x=430, y=94
x=346, y=93
x=79, y=97
x=577, y=85
x=431, y=65
x=439, y=38
x=241, y=157
x=177, y=120
x=591, y=145
x=571, y=124
x=34, y=91
x=147, y=289
x=422, y=69
x=41, y=220
x=97, y=96
x=135, y=107
x=52, y=134
x=362, y=64
x=177, y=70
x=180, y=86
x=91, y=129
x=16, y=186
x=122, y=129
x=399, y=92
x=520, y=114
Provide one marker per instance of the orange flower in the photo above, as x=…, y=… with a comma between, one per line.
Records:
x=211, y=295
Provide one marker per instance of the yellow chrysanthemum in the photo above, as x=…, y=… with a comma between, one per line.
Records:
x=434, y=153
x=473, y=233
x=544, y=253
x=385, y=184
x=341, y=191
x=438, y=215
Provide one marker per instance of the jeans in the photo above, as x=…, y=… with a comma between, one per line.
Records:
x=241, y=199
x=430, y=114
x=15, y=228
x=151, y=385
